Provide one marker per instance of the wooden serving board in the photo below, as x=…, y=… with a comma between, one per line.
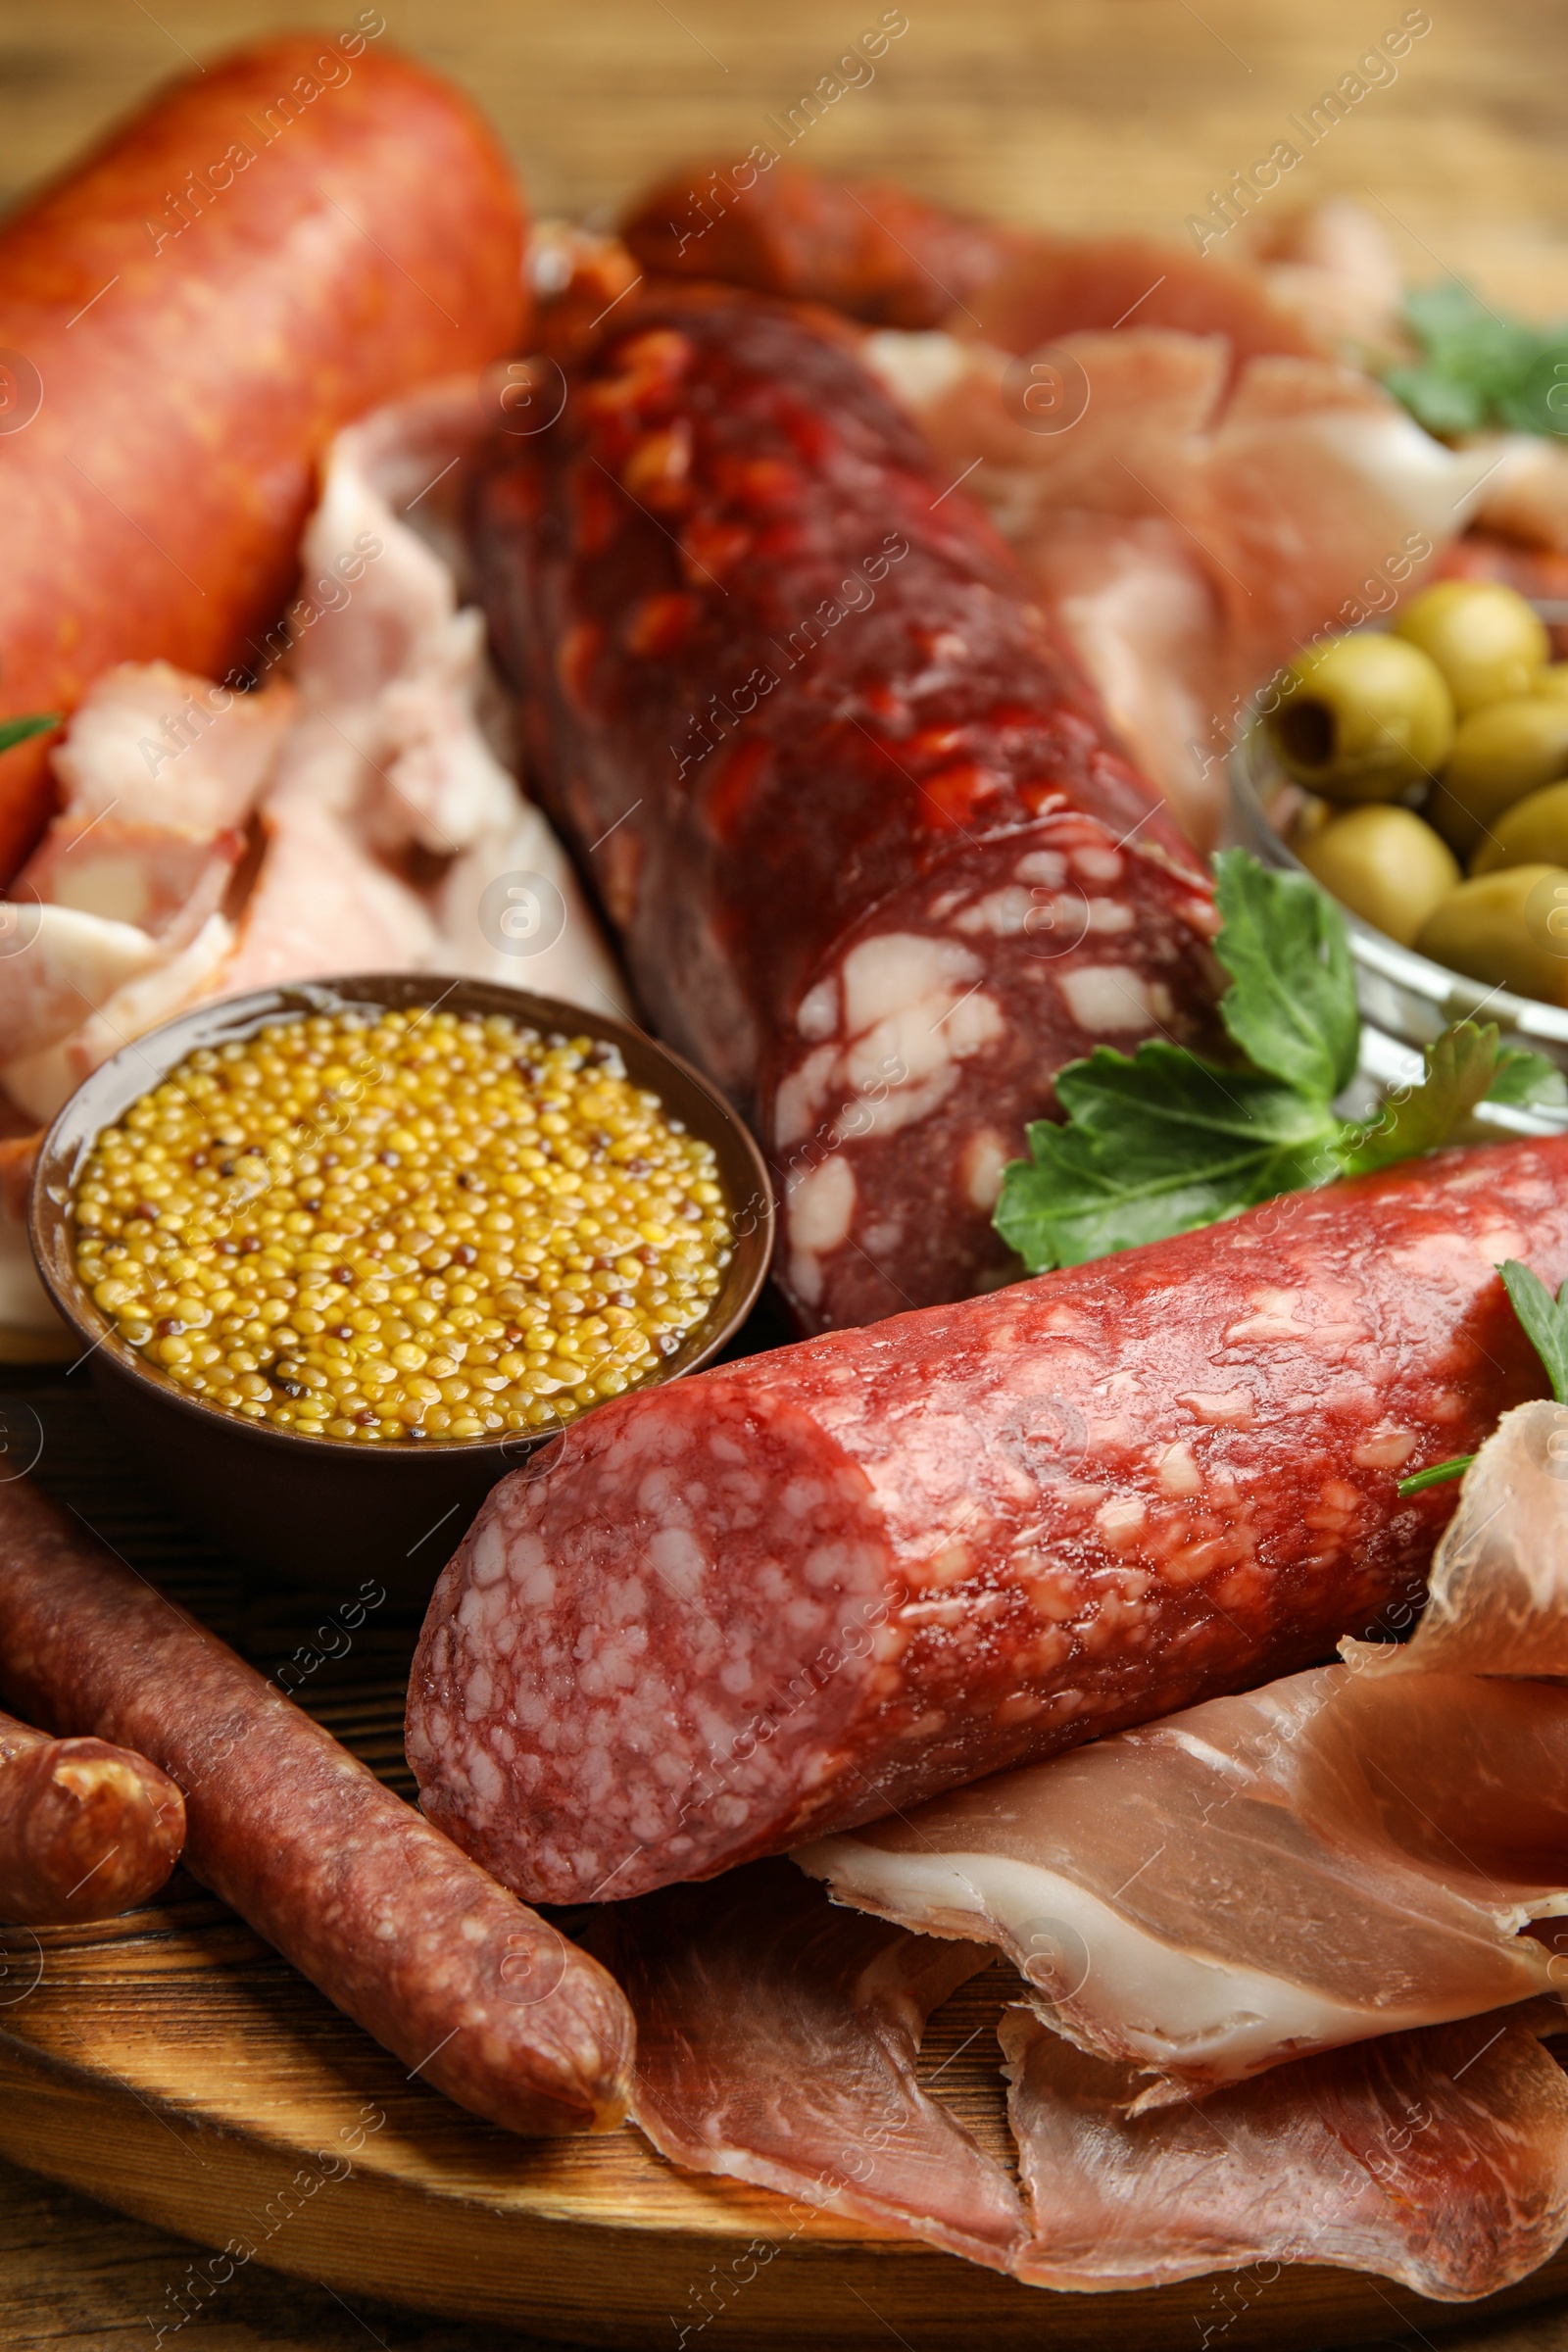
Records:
x=171, y=2065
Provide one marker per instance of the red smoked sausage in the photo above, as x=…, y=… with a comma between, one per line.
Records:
x=877, y=863
x=875, y=251
x=883, y=255
x=278, y=242
x=476, y=1994
x=86, y=1831
x=813, y=1586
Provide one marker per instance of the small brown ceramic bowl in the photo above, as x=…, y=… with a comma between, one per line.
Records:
x=323, y=1509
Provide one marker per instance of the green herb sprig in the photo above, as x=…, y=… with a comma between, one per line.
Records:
x=1478, y=370
x=18, y=730
x=1160, y=1141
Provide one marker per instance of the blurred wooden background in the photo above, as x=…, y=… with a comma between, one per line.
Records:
x=1088, y=115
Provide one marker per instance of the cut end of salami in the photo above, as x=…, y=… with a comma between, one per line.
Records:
x=926, y=1044
x=545, y=1727
x=811, y=1588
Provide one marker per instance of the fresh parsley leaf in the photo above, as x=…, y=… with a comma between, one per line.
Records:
x=1477, y=370
x=1162, y=1141
x=1455, y=1467
x=1460, y=1070
x=1545, y=1318
x=1528, y=405
x=1155, y=1144
x=18, y=730
x=1291, y=1006
x=1527, y=1079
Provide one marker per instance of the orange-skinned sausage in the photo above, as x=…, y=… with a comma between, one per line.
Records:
x=306, y=227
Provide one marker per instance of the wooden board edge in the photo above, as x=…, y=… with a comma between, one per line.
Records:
x=616, y=2286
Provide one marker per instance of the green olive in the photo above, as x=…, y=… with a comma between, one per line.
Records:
x=1532, y=832
x=1384, y=864
x=1363, y=718
x=1508, y=929
x=1498, y=754
x=1488, y=642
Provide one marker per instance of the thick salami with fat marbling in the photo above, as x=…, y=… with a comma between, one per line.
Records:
x=476, y=1994
x=815, y=1587
x=876, y=861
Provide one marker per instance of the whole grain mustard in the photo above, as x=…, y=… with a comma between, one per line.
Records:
x=398, y=1226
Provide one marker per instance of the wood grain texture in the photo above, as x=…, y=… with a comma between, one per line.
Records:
x=1085, y=113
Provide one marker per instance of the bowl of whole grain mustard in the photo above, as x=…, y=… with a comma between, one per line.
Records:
x=342, y=1253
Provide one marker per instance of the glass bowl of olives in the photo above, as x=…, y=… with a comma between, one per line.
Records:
x=1419, y=773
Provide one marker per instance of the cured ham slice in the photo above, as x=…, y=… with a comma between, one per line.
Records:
x=323, y=905
x=398, y=715
x=149, y=875
x=1308, y=1865
x=40, y=1083
x=1333, y=269
x=1301, y=496
x=1497, y=1595
x=1056, y=287
x=156, y=746
x=57, y=964
x=1438, y=2158
x=776, y=2042
x=1142, y=614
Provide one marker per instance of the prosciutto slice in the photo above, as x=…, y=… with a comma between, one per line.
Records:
x=1293, y=493
x=1341, y=1854
x=1438, y=2158
x=776, y=2043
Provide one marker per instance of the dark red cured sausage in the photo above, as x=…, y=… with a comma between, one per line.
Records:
x=866, y=247
x=883, y=255
x=87, y=1830
x=813, y=1586
x=278, y=242
x=877, y=860
x=476, y=1994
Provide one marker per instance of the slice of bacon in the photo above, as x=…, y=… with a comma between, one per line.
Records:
x=776, y=2042
x=1438, y=2158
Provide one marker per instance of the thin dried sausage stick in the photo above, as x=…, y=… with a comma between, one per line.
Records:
x=475, y=1994
x=815, y=1587
x=867, y=247
x=87, y=1830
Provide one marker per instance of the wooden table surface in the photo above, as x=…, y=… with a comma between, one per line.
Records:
x=1091, y=115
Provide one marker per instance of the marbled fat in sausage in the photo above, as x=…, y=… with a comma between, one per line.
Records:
x=476, y=1994
x=275, y=244
x=809, y=1587
x=87, y=1830
x=876, y=861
